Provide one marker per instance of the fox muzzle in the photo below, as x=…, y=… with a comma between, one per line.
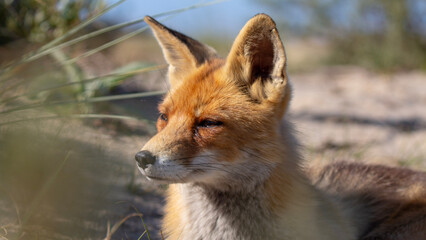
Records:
x=144, y=158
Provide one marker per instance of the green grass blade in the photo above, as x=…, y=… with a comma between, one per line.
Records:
x=107, y=45
x=142, y=235
x=83, y=38
x=146, y=229
x=59, y=39
x=44, y=190
x=48, y=48
x=80, y=26
x=71, y=71
x=144, y=225
x=10, y=86
x=88, y=100
x=99, y=78
x=77, y=116
x=180, y=10
x=114, y=228
x=136, y=32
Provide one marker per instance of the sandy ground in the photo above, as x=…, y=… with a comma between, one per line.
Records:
x=346, y=113
x=340, y=113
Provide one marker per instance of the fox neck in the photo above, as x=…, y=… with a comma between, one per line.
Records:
x=207, y=212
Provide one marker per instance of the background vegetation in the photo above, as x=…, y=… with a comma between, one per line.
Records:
x=41, y=21
x=379, y=34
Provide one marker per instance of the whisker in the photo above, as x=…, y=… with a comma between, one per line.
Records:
x=266, y=161
x=210, y=166
x=219, y=166
x=185, y=158
x=197, y=167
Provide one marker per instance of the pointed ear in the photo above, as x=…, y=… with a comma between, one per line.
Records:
x=182, y=53
x=257, y=63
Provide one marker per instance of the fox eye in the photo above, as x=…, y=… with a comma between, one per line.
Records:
x=207, y=123
x=163, y=117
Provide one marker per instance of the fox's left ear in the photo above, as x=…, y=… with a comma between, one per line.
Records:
x=257, y=63
x=182, y=53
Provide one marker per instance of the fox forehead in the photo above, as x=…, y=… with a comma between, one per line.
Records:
x=205, y=92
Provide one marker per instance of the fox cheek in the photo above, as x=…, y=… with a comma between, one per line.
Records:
x=205, y=136
x=159, y=125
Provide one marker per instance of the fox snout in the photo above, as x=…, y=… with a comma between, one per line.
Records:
x=144, y=159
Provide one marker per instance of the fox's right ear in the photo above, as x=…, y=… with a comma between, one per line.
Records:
x=182, y=53
x=257, y=63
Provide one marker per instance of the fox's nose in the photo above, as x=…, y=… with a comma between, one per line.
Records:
x=143, y=158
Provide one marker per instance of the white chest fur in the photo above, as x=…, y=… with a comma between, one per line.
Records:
x=209, y=214
x=218, y=215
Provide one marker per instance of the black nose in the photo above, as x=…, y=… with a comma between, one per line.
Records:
x=143, y=158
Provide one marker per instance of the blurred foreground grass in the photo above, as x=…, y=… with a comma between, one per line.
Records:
x=58, y=187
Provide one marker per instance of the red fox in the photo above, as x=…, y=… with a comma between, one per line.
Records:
x=233, y=164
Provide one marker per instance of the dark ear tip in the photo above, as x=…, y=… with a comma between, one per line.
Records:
x=150, y=21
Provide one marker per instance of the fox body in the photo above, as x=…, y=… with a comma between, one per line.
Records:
x=229, y=155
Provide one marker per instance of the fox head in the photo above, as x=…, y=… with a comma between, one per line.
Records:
x=219, y=122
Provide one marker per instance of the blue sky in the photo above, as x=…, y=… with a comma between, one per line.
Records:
x=225, y=17
x=229, y=16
